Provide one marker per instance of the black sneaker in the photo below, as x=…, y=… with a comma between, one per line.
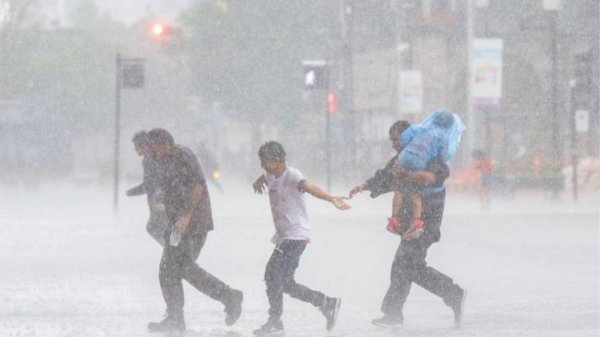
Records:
x=388, y=321
x=273, y=327
x=168, y=324
x=233, y=307
x=458, y=307
x=330, y=309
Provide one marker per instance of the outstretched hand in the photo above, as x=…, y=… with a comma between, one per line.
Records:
x=355, y=190
x=340, y=203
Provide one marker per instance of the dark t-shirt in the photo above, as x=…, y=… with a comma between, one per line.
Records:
x=180, y=172
x=152, y=180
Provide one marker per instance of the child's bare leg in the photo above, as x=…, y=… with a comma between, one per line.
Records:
x=416, y=224
x=417, y=205
x=393, y=225
x=397, y=204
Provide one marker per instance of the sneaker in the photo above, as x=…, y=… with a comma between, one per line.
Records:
x=233, y=307
x=458, y=308
x=330, y=309
x=415, y=230
x=273, y=327
x=393, y=225
x=388, y=321
x=169, y=324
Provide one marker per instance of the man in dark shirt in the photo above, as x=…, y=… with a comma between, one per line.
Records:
x=157, y=223
x=409, y=262
x=188, y=210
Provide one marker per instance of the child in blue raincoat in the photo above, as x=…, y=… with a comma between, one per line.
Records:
x=437, y=136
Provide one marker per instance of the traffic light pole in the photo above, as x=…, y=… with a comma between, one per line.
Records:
x=117, y=133
x=574, y=159
x=328, y=140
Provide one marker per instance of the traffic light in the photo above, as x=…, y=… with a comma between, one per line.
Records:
x=583, y=74
x=331, y=103
x=161, y=31
x=316, y=74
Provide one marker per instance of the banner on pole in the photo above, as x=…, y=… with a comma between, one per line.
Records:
x=487, y=71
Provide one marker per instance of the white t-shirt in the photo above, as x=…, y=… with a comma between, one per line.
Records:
x=288, y=206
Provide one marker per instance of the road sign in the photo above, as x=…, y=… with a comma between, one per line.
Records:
x=316, y=74
x=582, y=121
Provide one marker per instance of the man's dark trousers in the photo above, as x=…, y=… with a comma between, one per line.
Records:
x=279, y=277
x=180, y=262
x=410, y=266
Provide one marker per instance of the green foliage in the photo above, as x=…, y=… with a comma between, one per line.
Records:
x=248, y=55
x=68, y=73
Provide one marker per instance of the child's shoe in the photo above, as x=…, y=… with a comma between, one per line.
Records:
x=415, y=230
x=393, y=225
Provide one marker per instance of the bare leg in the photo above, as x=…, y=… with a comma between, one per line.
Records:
x=417, y=205
x=397, y=204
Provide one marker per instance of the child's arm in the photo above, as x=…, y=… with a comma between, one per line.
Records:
x=259, y=184
x=316, y=191
x=421, y=177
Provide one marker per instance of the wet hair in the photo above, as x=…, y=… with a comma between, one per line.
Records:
x=399, y=126
x=271, y=150
x=160, y=136
x=140, y=138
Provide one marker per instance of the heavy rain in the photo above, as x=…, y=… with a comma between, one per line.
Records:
x=202, y=168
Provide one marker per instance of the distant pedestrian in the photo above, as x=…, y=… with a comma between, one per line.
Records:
x=188, y=209
x=157, y=222
x=286, y=187
x=483, y=167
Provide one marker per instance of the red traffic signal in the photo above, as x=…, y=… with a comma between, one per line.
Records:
x=159, y=31
x=331, y=103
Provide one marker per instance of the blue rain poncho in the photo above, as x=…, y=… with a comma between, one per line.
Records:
x=438, y=135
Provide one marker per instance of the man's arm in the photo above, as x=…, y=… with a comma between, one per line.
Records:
x=383, y=181
x=316, y=191
x=378, y=184
x=182, y=224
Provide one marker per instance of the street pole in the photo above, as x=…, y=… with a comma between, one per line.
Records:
x=553, y=7
x=117, y=133
x=471, y=125
x=555, y=127
x=347, y=91
x=574, y=157
x=328, y=139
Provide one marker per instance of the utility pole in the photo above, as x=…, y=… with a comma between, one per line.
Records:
x=117, y=133
x=471, y=123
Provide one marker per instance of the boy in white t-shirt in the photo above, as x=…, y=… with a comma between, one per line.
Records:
x=286, y=186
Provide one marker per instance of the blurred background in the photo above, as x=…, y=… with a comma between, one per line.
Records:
x=326, y=78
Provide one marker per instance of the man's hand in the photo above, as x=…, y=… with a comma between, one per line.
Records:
x=259, y=185
x=182, y=224
x=357, y=189
x=340, y=203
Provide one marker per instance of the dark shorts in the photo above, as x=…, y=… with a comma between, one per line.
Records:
x=485, y=180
